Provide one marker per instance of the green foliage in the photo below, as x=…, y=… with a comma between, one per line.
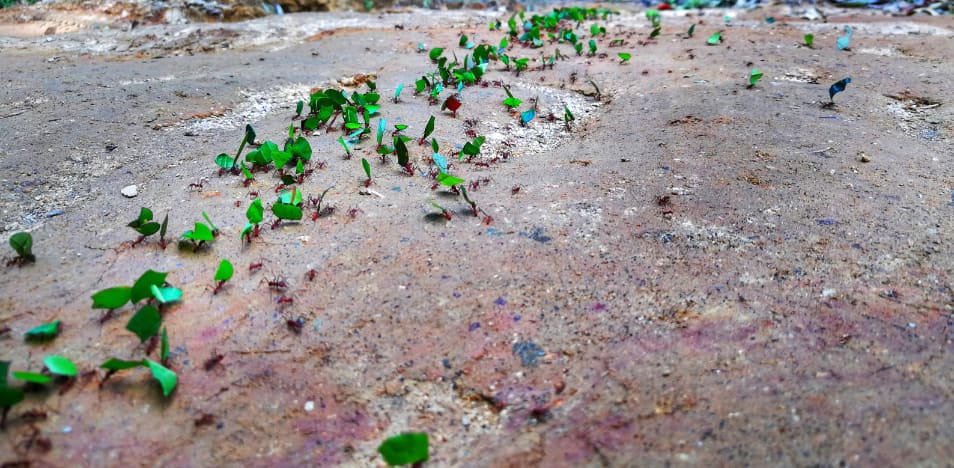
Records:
x=255, y=211
x=164, y=346
x=624, y=57
x=287, y=211
x=405, y=449
x=511, y=101
x=145, y=323
x=367, y=167
x=435, y=53
x=167, y=379
x=400, y=149
x=472, y=148
x=166, y=295
x=22, y=244
x=112, y=298
x=32, y=377
x=59, y=365
x=692, y=29
x=715, y=38
x=201, y=233
x=810, y=40
x=754, y=76
x=44, y=332
x=144, y=224
x=449, y=180
x=142, y=288
x=225, y=271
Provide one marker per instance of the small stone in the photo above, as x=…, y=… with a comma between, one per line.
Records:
x=309, y=406
x=130, y=191
x=863, y=157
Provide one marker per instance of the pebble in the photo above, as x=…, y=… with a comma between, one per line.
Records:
x=52, y=213
x=309, y=406
x=863, y=157
x=130, y=191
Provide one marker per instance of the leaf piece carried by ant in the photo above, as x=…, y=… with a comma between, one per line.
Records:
x=111, y=298
x=44, y=332
x=145, y=323
x=59, y=365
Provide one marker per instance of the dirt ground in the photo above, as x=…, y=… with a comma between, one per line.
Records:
x=696, y=273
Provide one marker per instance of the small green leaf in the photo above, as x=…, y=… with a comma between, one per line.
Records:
x=299, y=107
x=114, y=364
x=754, y=76
x=33, y=377
x=528, y=115
x=225, y=161
x=164, y=346
x=224, y=273
x=692, y=29
x=449, y=180
x=287, y=211
x=166, y=295
x=255, y=211
x=44, y=332
x=212, y=225
x=141, y=289
x=367, y=167
x=715, y=38
x=435, y=53
x=292, y=197
x=810, y=40
x=9, y=396
x=429, y=128
x=655, y=32
x=4, y=370
x=299, y=167
x=167, y=379
x=624, y=56
x=405, y=449
x=59, y=365
x=200, y=233
x=22, y=244
x=145, y=323
x=401, y=149
x=162, y=229
x=112, y=298
x=289, y=180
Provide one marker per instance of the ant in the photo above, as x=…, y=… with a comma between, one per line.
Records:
x=276, y=223
x=206, y=419
x=481, y=164
x=573, y=78
x=470, y=133
x=295, y=325
x=238, y=203
x=474, y=185
x=151, y=344
x=218, y=287
x=196, y=186
x=213, y=361
x=277, y=284
x=253, y=267
x=33, y=415
x=315, y=215
x=247, y=182
x=353, y=212
x=515, y=190
x=4, y=331
x=285, y=300
x=488, y=219
x=310, y=274
x=108, y=315
x=279, y=188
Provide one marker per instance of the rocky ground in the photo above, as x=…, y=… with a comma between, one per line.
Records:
x=696, y=272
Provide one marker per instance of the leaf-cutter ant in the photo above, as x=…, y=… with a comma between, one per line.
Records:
x=213, y=361
x=253, y=267
x=295, y=325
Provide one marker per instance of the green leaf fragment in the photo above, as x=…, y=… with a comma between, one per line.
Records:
x=142, y=289
x=435, y=53
x=715, y=38
x=9, y=396
x=201, y=233
x=167, y=379
x=625, y=56
x=145, y=323
x=164, y=346
x=59, y=365
x=449, y=180
x=754, y=76
x=225, y=271
x=43, y=332
x=287, y=211
x=32, y=377
x=225, y=161
x=22, y=244
x=367, y=167
x=112, y=298
x=405, y=449
x=166, y=295
x=810, y=40
x=114, y=364
x=255, y=211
